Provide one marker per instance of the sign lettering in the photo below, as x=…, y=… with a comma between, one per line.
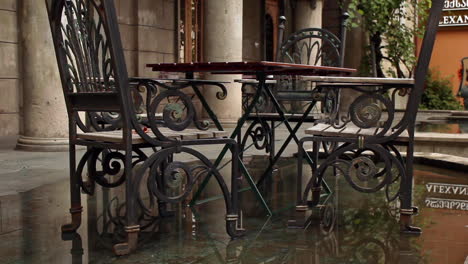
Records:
x=455, y=13
x=455, y=4
x=447, y=188
x=447, y=204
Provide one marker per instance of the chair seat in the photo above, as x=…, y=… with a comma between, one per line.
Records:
x=254, y=81
x=187, y=134
x=332, y=80
x=350, y=132
x=276, y=117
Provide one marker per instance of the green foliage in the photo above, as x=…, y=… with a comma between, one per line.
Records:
x=391, y=26
x=438, y=94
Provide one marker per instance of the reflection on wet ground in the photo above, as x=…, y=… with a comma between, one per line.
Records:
x=350, y=227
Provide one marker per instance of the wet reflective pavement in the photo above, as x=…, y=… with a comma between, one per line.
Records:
x=350, y=227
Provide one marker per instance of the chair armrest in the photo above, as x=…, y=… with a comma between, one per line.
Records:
x=166, y=80
x=332, y=80
x=253, y=81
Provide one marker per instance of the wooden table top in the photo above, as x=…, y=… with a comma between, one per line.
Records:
x=267, y=67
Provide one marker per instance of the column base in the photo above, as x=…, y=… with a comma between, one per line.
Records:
x=42, y=144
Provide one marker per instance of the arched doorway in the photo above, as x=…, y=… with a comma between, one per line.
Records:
x=269, y=38
x=272, y=13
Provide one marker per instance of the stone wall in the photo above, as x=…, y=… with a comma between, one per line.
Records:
x=9, y=69
x=148, y=29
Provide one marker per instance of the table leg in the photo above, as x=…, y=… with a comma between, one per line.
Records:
x=290, y=137
x=207, y=107
x=261, y=77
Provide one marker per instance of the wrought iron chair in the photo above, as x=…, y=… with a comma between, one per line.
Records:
x=369, y=134
x=311, y=46
x=96, y=86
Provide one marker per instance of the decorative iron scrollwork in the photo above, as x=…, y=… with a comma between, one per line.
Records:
x=368, y=171
x=311, y=46
x=362, y=168
x=175, y=173
x=365, y=111
x=86, y=48
x=370, y=110
x=167, y=105
x=172, y=181
x=261, y=135
x=176, y=183
x=178, y=113
x=105, y=167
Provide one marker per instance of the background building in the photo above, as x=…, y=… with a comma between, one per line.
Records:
x=452, y=42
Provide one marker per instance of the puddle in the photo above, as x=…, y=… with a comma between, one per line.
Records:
x=351, y=228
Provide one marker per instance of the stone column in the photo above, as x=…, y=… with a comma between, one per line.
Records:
x=44, y=124
x=308, y=14
x=223, y=42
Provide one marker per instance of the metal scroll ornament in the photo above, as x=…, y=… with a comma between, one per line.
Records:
x=365, y=111
x=311, y=46
x=175, y=173
x=109, y=172
x=261, y=134
x=362, y=168
x=173, y=184
x=178, y=113
x=86, y=48
x=362, y=175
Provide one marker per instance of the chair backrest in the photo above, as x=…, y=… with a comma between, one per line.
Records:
x=313, y=46
x=424, y=58
x=90, y=59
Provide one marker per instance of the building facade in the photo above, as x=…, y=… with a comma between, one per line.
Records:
x=451, y=46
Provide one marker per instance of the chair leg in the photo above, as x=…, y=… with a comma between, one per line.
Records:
x=272, y=143
x=75, y=196
x=407, y=210
x=234, y=216
x=317, y=179
x=162, y=206
x=132, y=228
x=299, y=220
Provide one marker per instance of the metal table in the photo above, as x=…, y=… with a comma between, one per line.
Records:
x=261, y=70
